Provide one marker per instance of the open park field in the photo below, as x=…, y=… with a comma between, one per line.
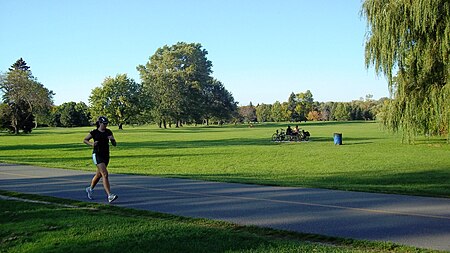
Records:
x=370, y=159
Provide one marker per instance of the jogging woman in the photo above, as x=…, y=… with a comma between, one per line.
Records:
x=100, y=156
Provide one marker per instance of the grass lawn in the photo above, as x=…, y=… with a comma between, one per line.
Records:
x=82, y=227
x=370, y=159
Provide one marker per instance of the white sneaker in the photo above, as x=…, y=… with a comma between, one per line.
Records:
x=90, y=193
x=112, y=197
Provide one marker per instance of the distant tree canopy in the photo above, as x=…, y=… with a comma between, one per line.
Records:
x=248, y=113
x=409, y=41
x=71, y=114
x=219, y=102
x=24, y=96
x=119, y=98
x=302, y=107
x=178, y=81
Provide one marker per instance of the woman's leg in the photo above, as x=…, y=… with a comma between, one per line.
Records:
x=103, y=172
x=95, y=179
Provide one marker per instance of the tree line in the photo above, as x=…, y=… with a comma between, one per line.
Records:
x=177, y=87
x=302, y=107
x=173, y=100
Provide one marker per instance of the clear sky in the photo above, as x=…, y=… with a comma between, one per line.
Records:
x=261, y=50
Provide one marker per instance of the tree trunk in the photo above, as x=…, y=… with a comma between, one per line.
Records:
x=14, y=125
x=16, y=128
x=35, y=122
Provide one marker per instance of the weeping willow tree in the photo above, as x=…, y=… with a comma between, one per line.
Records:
x=409, y=42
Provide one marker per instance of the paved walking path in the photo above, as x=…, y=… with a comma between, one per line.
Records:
x=417, y=221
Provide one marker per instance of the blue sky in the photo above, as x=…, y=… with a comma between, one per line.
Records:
x=261, y=50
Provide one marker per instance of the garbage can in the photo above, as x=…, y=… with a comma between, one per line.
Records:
x=337, y=138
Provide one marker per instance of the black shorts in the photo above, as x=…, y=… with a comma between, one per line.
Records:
x=98, y=158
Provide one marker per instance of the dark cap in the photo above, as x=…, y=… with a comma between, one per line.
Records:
x=103, y=119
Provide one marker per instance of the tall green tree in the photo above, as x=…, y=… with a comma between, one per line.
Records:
x=409, y=41
x=306, y=100
x=342, y=111
x=264, y=112
x=5, y=117
x=277, y=113
x=175, y=78
x=292, y=105
x=71, y=114
x=219, y=102
x=25, y=95
x=118, y=98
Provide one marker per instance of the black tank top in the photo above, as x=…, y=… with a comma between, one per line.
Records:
x=102, y=147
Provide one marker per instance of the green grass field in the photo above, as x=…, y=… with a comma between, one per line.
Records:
x=370, y=159
x=83, y=227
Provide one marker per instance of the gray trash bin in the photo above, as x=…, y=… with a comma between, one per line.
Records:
x=337, y=138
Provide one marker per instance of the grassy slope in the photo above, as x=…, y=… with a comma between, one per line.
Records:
x=369, y=160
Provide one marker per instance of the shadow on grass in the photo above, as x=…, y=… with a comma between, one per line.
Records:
x=432, y=182
x=115, y=232
x=52, y=130
x=346, y=141
x=199, y=143
x=429, y=182
x=32, y=146
x=44, y=160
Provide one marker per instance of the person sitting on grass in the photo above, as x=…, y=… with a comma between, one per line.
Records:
x=289, y=130
x=295, y=131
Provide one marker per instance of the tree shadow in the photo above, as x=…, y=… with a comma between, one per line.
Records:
x=432, y=182
x=169, y=144
x=32, y=146
x=346, y=140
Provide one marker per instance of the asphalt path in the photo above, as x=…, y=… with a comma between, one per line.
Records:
x=410, y=220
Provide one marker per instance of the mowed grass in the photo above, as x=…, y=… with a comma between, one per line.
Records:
x=52, y=227
x=370, y=159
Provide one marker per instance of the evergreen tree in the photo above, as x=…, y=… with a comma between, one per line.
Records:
x=292, y=105
x=20, y=65
x=25, y=95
